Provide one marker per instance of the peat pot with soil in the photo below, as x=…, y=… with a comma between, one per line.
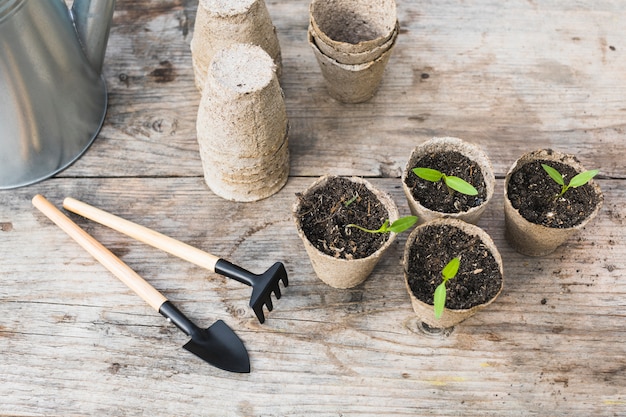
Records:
x=448, y=177
x=429, y=252
x=548, y=196
x=344, y=256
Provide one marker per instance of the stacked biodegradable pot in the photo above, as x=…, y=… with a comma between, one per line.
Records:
x=220, y=23
x=242, y=125
x=352, y=41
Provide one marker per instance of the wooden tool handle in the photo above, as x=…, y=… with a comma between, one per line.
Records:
x=143, y=234
x=102, y=254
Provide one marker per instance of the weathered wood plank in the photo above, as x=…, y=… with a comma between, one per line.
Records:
x=75, y=340
x=512, y=79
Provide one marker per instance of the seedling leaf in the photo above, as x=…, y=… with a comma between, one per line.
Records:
x=453, y=183
x=450, y=270
x=352, y=200
x=402, y=224
x=428, y=174
x=460, y=185
x=554, y=174
x=578, y=180
x=397, y=226
x=440, y=299
x=582, y=178
x=384, y=228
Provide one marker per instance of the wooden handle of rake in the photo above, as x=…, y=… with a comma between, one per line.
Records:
x=111, y=262
x=143, y=234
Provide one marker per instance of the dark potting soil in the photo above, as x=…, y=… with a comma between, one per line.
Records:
x=478, y=279
x=325, y=213
x=532, y=191
x=435, y=195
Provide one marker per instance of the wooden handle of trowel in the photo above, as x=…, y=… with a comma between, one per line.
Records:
x=143, y=234
x=102, y=254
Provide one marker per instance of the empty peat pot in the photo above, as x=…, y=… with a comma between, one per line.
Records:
x=352, y=58
x=537, y=222
x=352, y=41
x=452, y=156
x=353, y=26
x=337, y=253
x=478, y=282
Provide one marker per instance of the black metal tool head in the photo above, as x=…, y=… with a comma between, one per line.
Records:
x=218, y=345
x=263, y=287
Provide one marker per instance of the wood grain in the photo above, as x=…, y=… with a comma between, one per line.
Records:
x=511, y=77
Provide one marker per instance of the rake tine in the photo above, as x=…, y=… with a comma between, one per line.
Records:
x=277, y=291
x=262, y=285
x=258, y=311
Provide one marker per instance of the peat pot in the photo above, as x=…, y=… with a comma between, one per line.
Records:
x=452, y=156
x=478, y=282
x=536, y=221
x=337, y=253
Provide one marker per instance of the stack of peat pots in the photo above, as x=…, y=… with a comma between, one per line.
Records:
x=242, y=125
x=242, y=122
x=352, y=41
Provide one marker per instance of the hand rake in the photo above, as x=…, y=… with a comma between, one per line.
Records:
x=262, y=285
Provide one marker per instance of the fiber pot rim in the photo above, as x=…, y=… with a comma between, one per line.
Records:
x=389, y=21
x=352, y=58
x=385, y=198
x=347, y=67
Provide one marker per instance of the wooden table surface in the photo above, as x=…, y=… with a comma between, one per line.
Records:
x=509, y=76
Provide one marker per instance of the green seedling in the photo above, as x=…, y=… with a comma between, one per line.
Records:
x=578, y=180
x=448, y=272
x=397, y=226
x=452, y=182
x=352, y=200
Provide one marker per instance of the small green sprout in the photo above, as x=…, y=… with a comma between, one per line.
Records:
x=352, y=200
x=452, y=182
x=448, y=272
x=578, y=180
x=397, y=226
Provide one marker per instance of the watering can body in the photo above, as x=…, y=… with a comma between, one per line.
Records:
x=53, y=98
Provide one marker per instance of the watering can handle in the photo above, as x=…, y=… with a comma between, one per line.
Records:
x=92, y=19
x=111, y=262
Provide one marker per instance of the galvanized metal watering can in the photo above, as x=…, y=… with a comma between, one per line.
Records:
x=52, y=97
